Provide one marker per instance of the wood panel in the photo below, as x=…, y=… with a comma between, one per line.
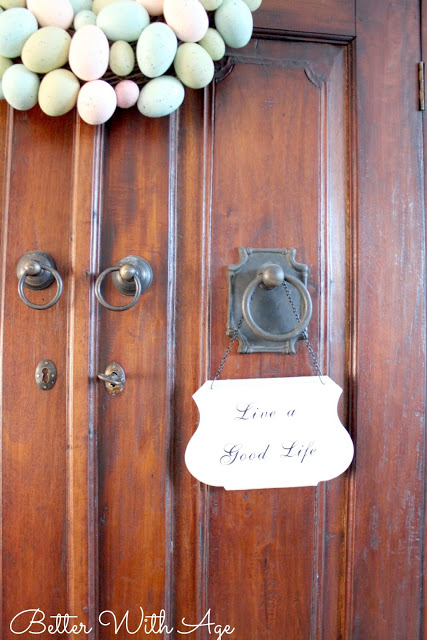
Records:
x=272, y=150
x=36, y=215
x=333, y=17
x=390, y=348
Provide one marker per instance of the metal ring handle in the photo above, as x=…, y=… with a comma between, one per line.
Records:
x=101, y=299
x=54, y=300
x=277, y=337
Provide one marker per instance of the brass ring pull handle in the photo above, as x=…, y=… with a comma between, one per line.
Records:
x=272, y=276
x=131, y=276
x=37, y=270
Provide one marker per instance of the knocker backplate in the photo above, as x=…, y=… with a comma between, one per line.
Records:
x=270, y=308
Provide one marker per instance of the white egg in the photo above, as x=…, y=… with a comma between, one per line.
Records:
x=89, y=53
x=49, y=13
x=187, y=18
x=96, y=102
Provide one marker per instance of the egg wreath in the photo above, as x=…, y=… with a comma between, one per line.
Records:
x=102, y=54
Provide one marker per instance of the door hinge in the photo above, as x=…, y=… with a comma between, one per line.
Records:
x=421, y=85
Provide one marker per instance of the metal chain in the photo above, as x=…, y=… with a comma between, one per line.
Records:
x=303, y=333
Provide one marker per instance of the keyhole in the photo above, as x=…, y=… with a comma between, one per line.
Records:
x=45, y=373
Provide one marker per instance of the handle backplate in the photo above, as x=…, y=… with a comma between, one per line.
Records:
x=269, y=324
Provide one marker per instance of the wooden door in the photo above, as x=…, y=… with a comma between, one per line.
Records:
x=312, y=141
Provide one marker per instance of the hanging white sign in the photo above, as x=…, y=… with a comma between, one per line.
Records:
x=268, y=433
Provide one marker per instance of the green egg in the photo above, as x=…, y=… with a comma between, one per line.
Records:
x=156, y=49
x=20, y=87
x=81, y=5
x=211, y=5
x=160, y=97
x=122, y=58
x=46, y=49
x=123, y=20
x=58, y=92
x=84, y=17
x=214, y=44
x=5, y=63
x=193, y=65
x=234, y=21
x=16, y=26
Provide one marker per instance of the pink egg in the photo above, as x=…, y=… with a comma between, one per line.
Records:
x=89, y=53
x=187, y=18
x=52, y=13
x=154, y=7
x=127, y=92
x=96, y=102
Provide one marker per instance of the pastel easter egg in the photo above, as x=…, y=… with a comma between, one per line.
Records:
x=156, y=49
x=58, y=92
x=9, y=4
x=123, y=20
x=187, y=18
x=96, y=102
x=5, y=63
x=213, y=43
x=122, y=58
x=154, y=7
x=20, y=87
x=81, y=5
x=83, y=17
x=89, y=53
x=211, y=5
x=193, y=65
x=234, y=21
x=97, y=5
x=16, y=26
x=127, y=92
x=52, y=13
x=161, y=97
x=46, y=49
x=253, y=4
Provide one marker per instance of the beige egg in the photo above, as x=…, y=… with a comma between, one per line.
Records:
x=20, y=87
x=193, y=65
x=16, y=26
x=52, y=13
x=83, y=17
x=234, y=22
x=46, y=49
x=187, y=18
x=97, y=5
x=127, y=92
x=161, y=97
x=123, y=20
x=96, y=102
x=122, y=58
x=214, y=44
x=58, y=92
x=9, y=4
x=154, y=7
x=5, y=63
x=89, y=53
